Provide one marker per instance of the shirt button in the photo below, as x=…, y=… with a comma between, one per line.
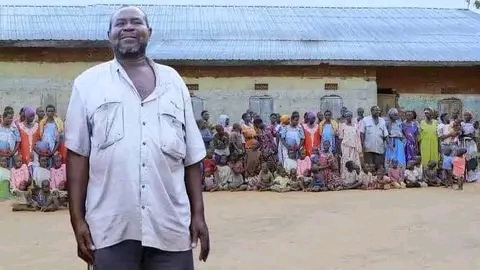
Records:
x=143, y=164
x=141, y=104
x=143, y=186
x=143, y=123
x=143, y=207
x=144, y=143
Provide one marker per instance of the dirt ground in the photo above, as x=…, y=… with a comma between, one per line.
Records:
x=432, y=228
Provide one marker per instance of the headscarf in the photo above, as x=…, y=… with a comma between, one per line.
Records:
x=428, y=109
x=222, y=120
x=470, y=113
x=29, y=111
x=392, y=112
x=284, y=119
x=311, y=115
x=347, y=113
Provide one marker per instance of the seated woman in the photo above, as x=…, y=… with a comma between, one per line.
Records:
x=328, y=167
x=58, y=178
x=38, y=199
x=19, y=177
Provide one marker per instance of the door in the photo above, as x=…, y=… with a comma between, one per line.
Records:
x=386, y=102
x=333, y=103
x=197, y=105
x=448, y=105
x=262, y=105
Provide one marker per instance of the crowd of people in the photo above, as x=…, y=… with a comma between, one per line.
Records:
x=319, y=153
x=32, y=158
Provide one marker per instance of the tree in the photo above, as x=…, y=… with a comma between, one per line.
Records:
x=476, y=3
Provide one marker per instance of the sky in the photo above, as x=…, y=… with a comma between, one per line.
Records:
x=328, y=3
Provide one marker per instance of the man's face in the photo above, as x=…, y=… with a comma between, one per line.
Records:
x=376, y=111
x=129, y=33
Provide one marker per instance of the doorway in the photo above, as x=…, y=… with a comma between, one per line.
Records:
x=386, y=99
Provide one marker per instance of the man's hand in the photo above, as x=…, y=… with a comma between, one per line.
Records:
x=85, y=245
x=199, y=230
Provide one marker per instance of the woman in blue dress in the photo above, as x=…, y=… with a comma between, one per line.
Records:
x=395, y=146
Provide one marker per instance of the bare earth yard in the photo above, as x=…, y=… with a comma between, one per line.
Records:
x=432, y=228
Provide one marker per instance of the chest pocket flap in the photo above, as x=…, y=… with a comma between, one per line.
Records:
x=107, y=124
x=172, y=131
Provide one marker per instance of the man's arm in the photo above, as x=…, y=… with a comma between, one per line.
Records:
x=77, y=141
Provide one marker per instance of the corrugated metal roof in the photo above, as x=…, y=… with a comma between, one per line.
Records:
x=267, y=33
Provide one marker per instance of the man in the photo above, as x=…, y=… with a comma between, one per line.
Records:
x=373, y=134
x=134, y=153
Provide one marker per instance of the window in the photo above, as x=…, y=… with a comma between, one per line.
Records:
x=197, y=105
x=261, y=86
x=49, y=99
x=193, y=87
x=332, y=103
x=448, y=105
x=263, y=105
x=331, y=86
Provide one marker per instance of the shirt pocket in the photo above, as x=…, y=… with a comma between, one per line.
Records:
x=108, y=125
x=172, y=132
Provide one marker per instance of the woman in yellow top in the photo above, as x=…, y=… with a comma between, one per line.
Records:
x=428, y=138
x=51, y=131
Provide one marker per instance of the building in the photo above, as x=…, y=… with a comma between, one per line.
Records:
x=271, y=59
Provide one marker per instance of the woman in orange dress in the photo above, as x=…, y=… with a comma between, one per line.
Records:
x=248, y=130
x=312, y=134
x=29, y=134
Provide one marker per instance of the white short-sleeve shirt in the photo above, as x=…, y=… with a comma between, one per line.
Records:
x=138, y=151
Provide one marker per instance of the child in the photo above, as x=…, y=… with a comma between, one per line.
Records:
x=223, y=174
x=4, y=179
x=263, y=181
x=306, y=179
x=238, y=169
x=33, y=163
x=209, y=163
x=205, y=132
x=447, y=166
x=459, y=167
x=39, y=199
x=237, y=144
x=396, y=175
x=418, y=168
x=294, y=180
x=383, y=181
x=19, y=177
x=303, y=163
x=58, y=173
x=281, y=183
x=221, y=143
x=352, y=176
x=314, y=158
x=318, y=183
x=368, y=177
x=290, y=162
x=41, y=173
x=411, y=176
x=252, y=160
x=209, y=183
x=430, y=174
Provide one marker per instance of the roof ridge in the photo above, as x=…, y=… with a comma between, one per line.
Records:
x=237, y=6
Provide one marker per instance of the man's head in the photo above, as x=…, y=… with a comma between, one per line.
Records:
x=129, y=32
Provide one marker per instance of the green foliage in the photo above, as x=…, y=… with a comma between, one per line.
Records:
x=477, y=3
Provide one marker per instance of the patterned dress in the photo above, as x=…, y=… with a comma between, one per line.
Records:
x=411, y=131
x=268, y=148
x=330, y=176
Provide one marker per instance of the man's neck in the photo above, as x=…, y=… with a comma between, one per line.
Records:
x=133, y=62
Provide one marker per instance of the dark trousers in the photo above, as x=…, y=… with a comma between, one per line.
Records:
x=131, y=255
x=374, y=158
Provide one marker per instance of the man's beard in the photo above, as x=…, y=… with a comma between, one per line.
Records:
x=130, y=52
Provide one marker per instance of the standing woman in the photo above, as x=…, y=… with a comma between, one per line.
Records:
x=445, y=132
x=469, y=142
x=411, y=131
x=224, y=121
x=9, y=138
x=248, y=130
x=268, y=147
x=428, y=138
x=312, y=134
x=282, y=149
x=51, y=132
x=350, y=143
x=29, y=134
x=395, y=149
x=329, y=130
x=292, y=135
x=273, y=127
